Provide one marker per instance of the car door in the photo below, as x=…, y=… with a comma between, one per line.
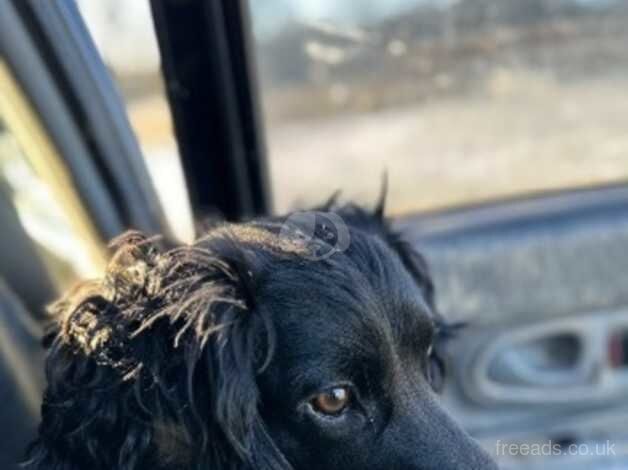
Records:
x=539, y=375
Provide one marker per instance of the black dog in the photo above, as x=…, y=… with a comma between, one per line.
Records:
x=299, y=343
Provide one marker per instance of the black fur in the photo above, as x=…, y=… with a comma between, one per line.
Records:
x=205, y=356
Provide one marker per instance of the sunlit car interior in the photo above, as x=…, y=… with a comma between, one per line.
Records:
x=501, y=126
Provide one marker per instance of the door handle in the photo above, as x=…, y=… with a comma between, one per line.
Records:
x=563, y=361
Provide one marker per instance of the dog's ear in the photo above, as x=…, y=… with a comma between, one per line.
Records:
x=92, y=411
x=380, y=205
x=154, y=366
x=236, y=354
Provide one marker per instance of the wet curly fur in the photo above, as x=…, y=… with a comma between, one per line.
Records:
x=169, y=361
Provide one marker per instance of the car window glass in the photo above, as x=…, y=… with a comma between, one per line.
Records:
x=461, y=101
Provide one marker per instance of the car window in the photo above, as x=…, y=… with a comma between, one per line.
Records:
x=124, y=34
x=460, y=101
x=40, y=188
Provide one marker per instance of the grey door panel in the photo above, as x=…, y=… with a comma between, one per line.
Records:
x=542, y=285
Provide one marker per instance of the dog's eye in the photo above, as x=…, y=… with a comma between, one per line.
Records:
x=332, y=402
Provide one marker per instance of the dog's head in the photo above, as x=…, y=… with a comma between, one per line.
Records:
x=300, y=343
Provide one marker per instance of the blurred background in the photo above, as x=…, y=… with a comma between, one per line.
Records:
x=460, y=101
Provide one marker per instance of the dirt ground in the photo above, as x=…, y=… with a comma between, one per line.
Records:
x=527, y=133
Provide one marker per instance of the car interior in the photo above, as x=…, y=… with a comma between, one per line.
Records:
x=539, y=278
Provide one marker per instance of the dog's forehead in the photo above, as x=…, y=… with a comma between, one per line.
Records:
x=353, y=303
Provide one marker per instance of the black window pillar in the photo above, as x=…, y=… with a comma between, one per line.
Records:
x=208, y=68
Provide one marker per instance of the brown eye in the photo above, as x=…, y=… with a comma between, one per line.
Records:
x=332, y=402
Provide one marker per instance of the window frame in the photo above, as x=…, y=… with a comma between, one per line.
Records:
x=210, y=76
x=63, y=54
